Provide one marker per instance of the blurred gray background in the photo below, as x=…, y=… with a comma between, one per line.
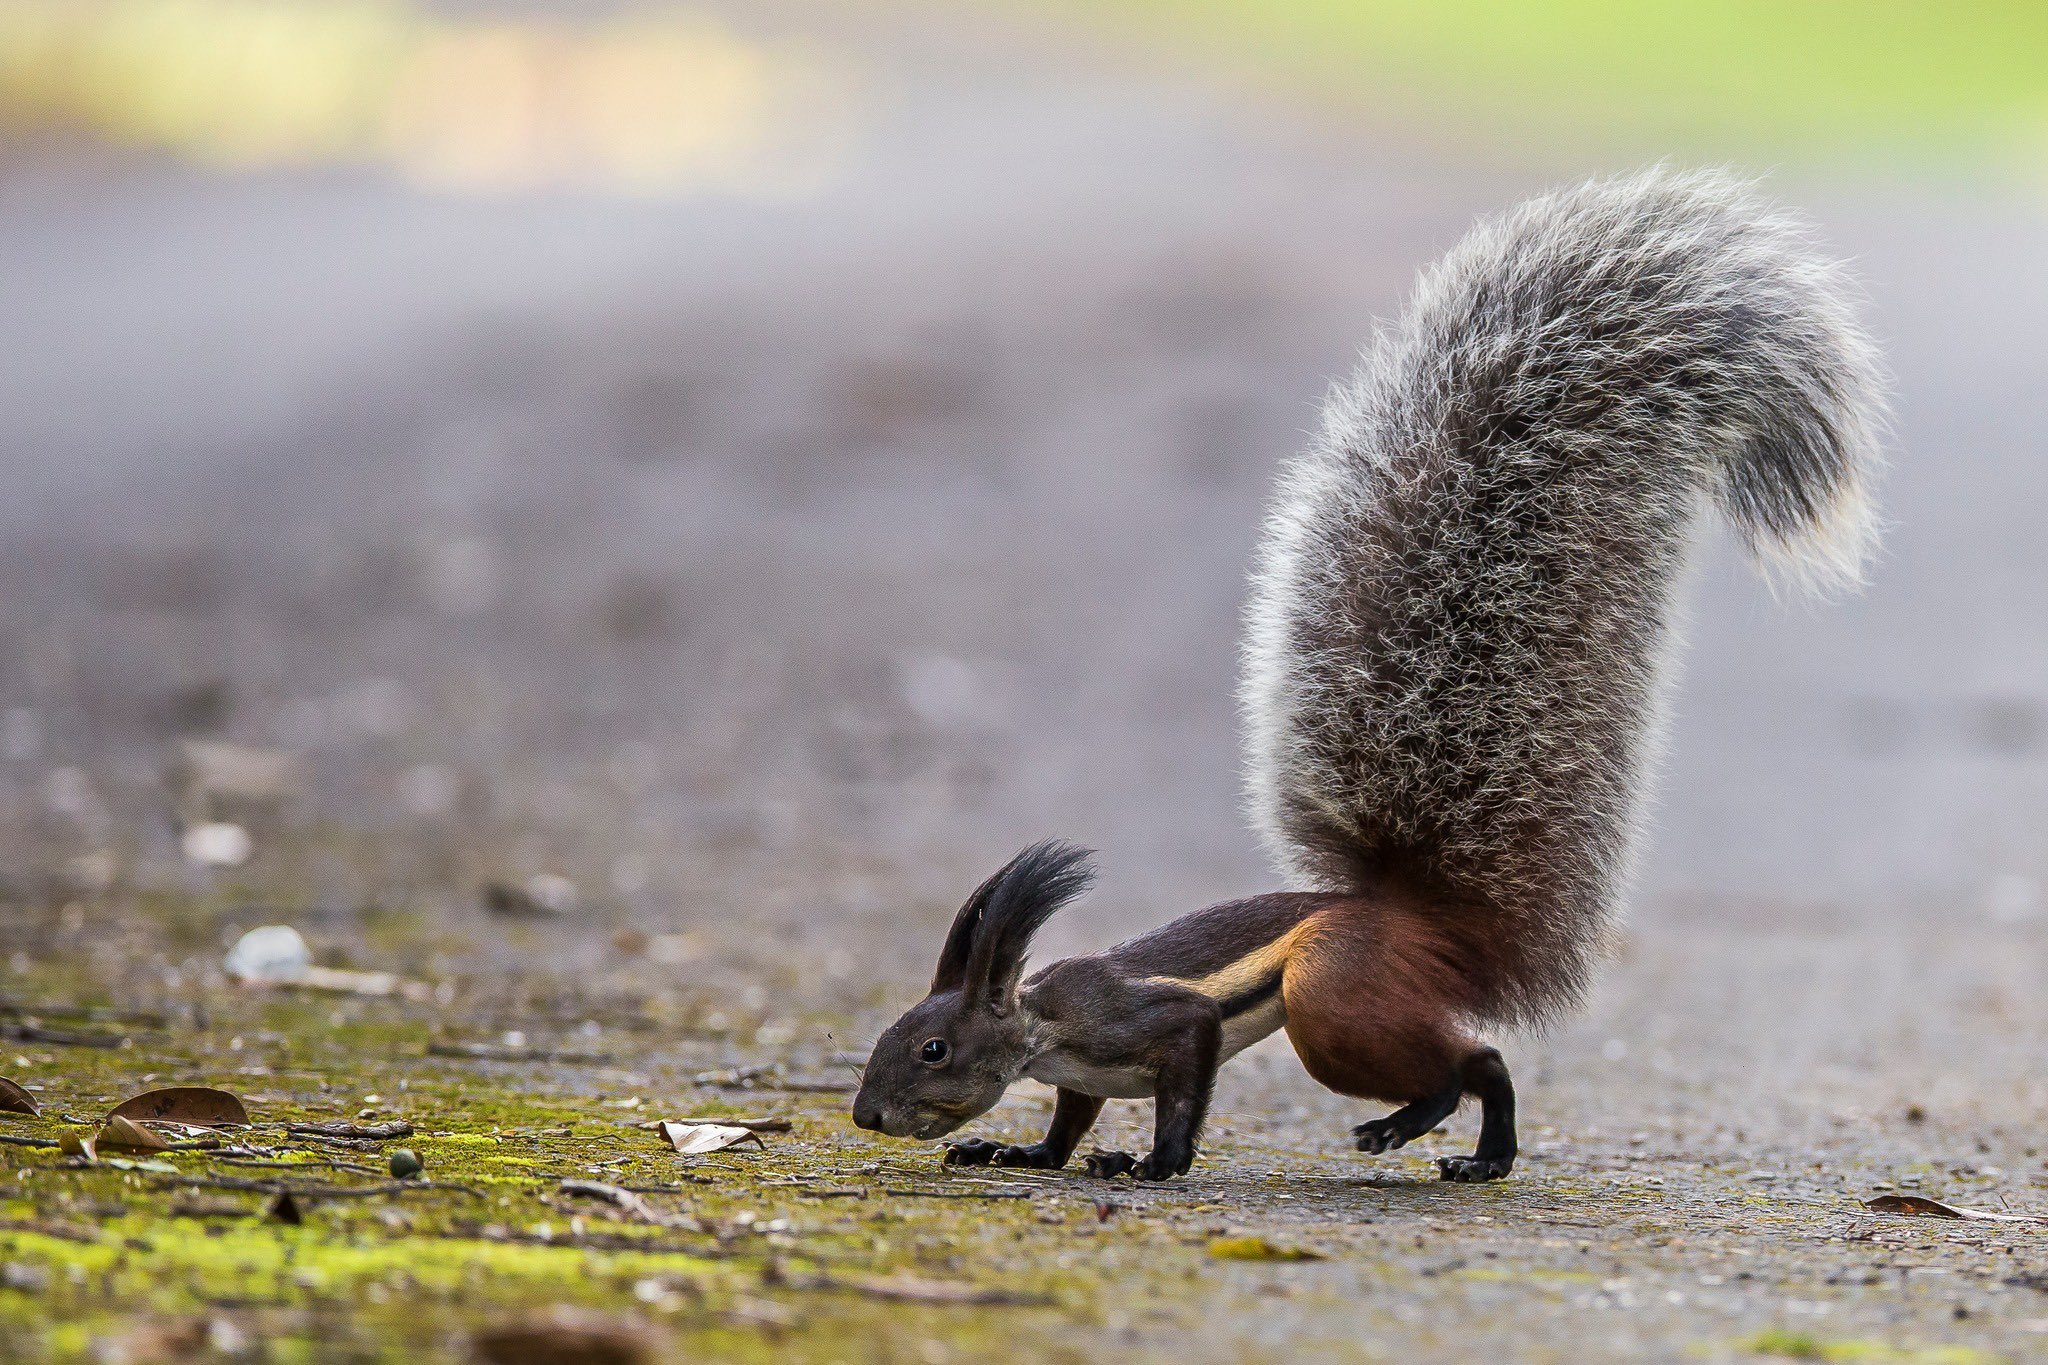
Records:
x=769, y=529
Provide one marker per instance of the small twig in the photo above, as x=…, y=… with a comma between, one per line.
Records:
x=14, y=1141
x=376, y=1132
x=325, y=1163
x=630, y=1202
x=311, y=1141
x=35, y=1033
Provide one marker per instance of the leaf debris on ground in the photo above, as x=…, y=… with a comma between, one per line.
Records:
x=15, y=1100
x=189, y=1106
x=1914, y=1205
x=696, y=1139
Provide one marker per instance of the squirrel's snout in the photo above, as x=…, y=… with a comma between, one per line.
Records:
x=867, y=1114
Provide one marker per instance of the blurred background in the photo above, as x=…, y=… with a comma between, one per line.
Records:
x=662, y=498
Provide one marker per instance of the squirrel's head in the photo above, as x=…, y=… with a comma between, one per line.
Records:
x=950, y=1058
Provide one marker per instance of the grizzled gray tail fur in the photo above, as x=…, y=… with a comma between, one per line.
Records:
x=1463, y=601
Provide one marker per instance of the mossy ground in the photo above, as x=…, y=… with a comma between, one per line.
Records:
x=104, y=1255
x=774, y=1252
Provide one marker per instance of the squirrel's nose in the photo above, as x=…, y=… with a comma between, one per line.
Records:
x=867, y=1114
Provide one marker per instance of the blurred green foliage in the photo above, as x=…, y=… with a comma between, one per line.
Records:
x=648, y=100
x=1913, y=79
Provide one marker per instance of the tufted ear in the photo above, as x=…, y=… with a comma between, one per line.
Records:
x=952, y=970
x=1010, y=908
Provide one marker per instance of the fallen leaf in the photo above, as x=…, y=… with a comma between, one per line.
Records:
x=695, y=1139
x=1258, y=1249
x=766, y=1125
x=123, y=1134
x=282, y=1208
x=1920, y=1206
x=564, y=1336
x=81, y=1145
x=15, y=1100
x=190, y=1106
x=154, y=1166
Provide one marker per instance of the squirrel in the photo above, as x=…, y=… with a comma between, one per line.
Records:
x=1453, y=677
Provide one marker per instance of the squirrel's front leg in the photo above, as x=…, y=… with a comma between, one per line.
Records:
x=1186, y=1069
x=1073, y=1115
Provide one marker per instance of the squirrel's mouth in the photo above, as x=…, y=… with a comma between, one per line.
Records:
x=938, y=1125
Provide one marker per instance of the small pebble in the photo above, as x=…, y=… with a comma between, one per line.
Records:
x=406, y=1163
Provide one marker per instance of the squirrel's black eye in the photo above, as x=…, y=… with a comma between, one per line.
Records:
x=934, y=1051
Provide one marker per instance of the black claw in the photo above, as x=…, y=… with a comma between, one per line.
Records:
x=1013, y=1155
x=972, y=1152
x=1473, y=1169
x=1376, y=1137
x=1109, y=1165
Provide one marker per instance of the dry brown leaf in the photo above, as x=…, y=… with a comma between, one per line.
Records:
x=565, y=1336
x=190, y=1106
x=81, y=1145
x=15, y=1100
x=123, y=1134
x=695, y=1139
x=1923, y=1207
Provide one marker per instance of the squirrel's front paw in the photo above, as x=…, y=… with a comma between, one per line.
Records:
x=1109, y=1165
x=1036, y=1157
x=982, y=1152
x=1157, y=1166
x=1164, y=1164
x=972, y=1152
x=1473, y=1169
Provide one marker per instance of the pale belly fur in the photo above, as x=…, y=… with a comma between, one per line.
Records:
x=1070, y=1072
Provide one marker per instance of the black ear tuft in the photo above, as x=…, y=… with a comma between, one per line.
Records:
x=1012, y=906
x=952, y=970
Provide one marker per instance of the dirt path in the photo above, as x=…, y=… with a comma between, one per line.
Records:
x=770, y=570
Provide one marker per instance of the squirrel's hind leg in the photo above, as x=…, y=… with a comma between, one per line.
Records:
x=1409, y=1122
x=1373, y=1010
x=1484, y=1075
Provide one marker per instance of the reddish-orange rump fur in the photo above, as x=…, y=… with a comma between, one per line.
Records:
x=1373, y=1001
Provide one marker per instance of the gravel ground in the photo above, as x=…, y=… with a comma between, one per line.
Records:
x=771, y=568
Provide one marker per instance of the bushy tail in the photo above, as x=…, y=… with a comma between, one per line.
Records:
x=1463, y=597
